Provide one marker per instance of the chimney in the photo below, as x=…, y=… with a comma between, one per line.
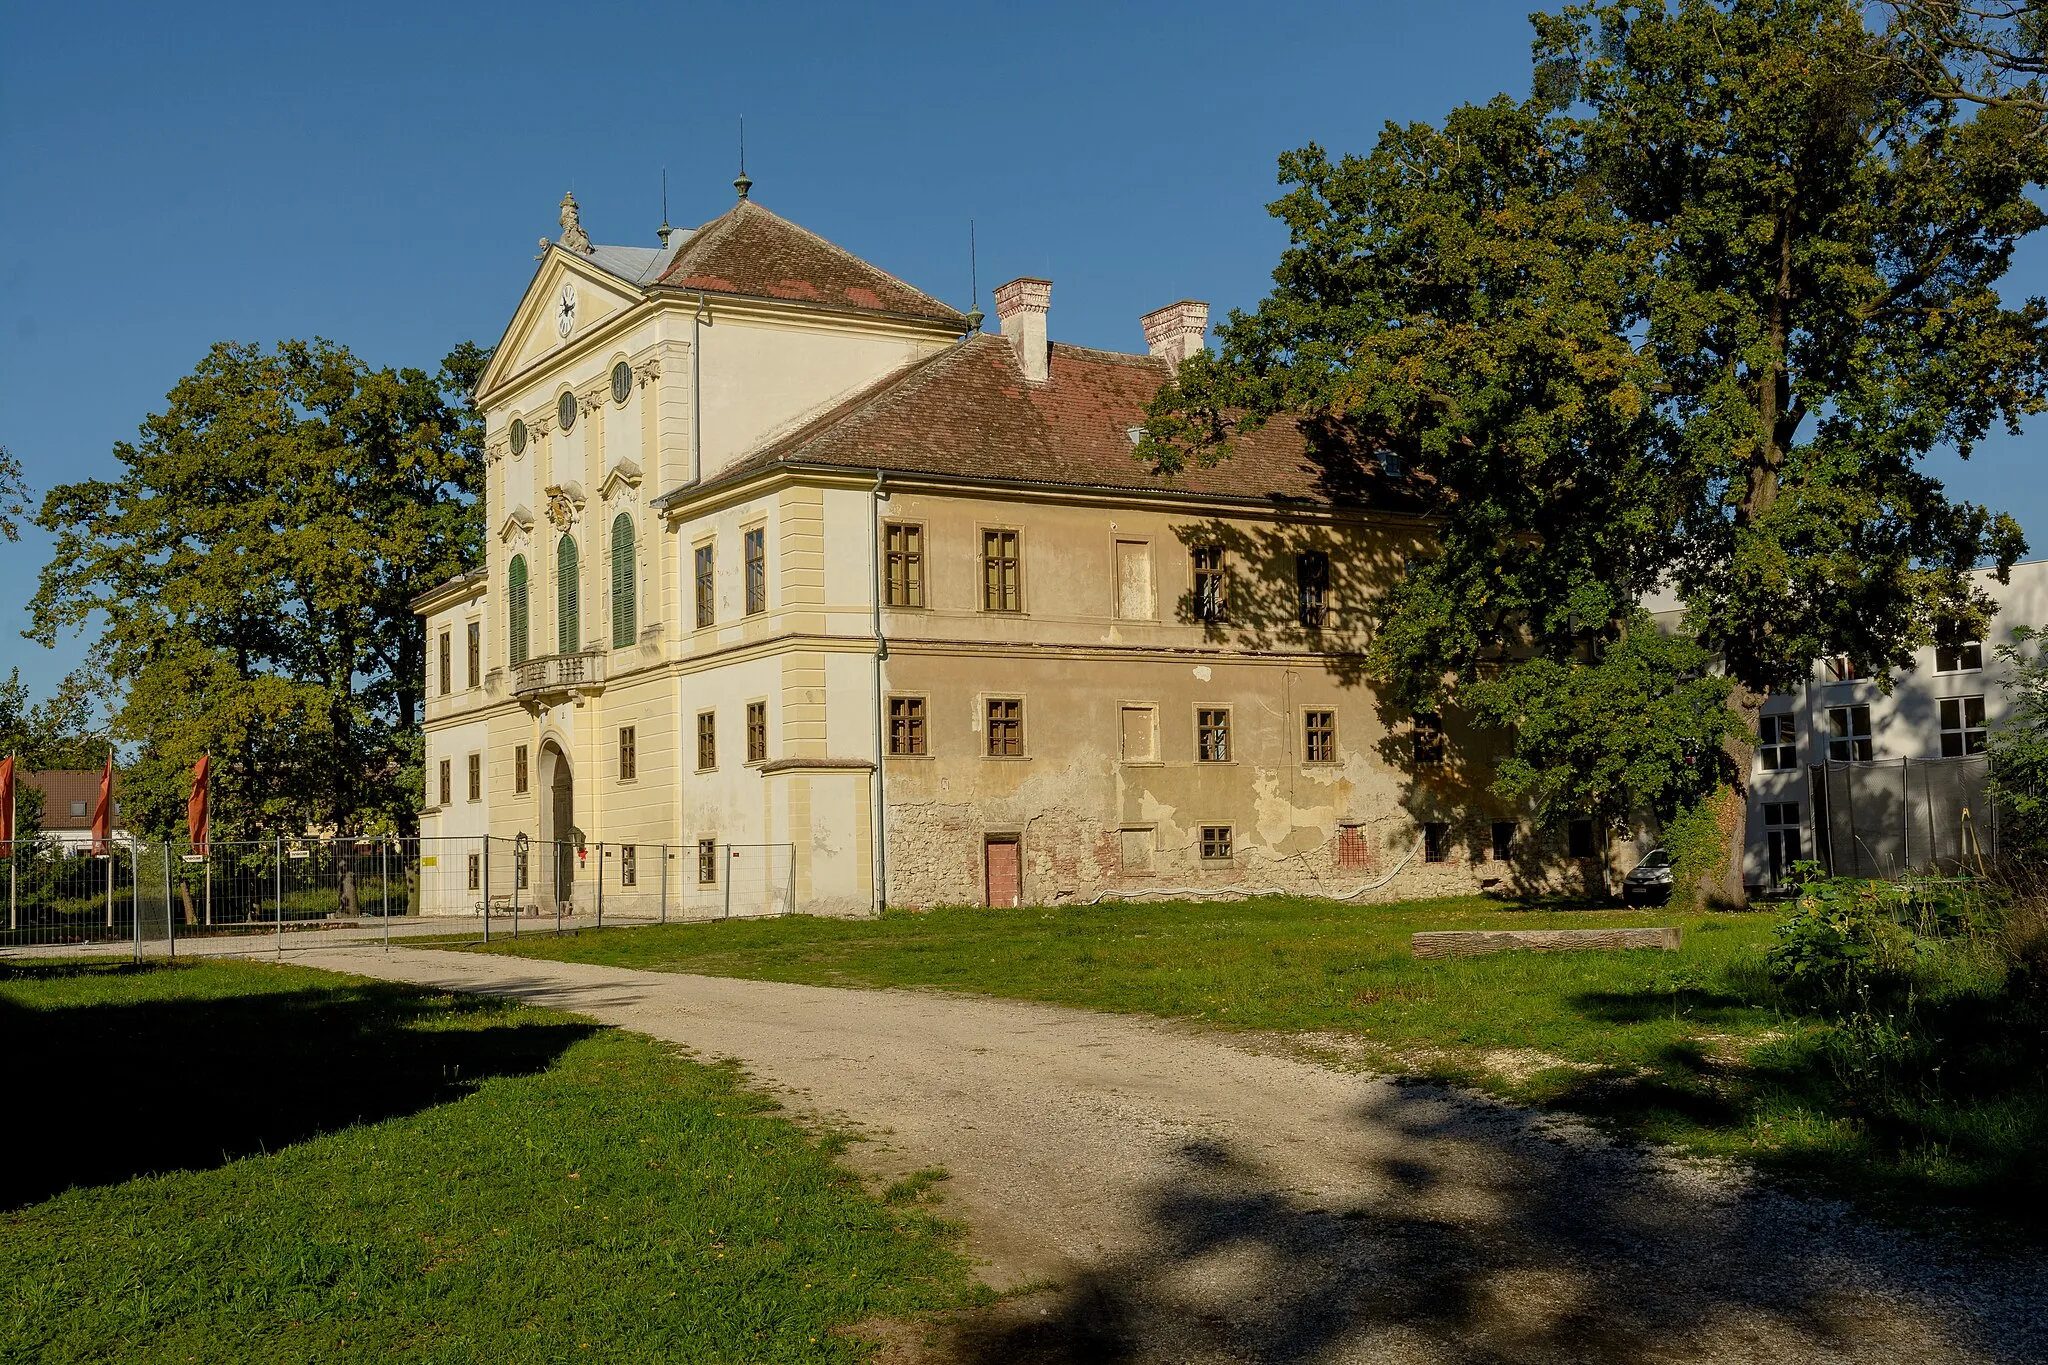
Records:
x=1021, y=306
x=1175, y=332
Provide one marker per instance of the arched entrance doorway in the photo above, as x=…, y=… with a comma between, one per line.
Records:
x=558, y=831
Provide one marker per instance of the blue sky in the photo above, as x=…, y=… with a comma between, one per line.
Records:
x=378, y=174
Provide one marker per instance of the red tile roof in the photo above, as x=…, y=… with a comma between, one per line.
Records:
x=63, y=786
x=753, y=252
x=969, y=412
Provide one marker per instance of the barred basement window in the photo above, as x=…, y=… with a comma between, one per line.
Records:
x=1312, y=588
x=1503, y=841
x=707, y=862
x=1006, y=728
x=1352, y=850
x=1436, y=842
x=1778, y=743
x=757, y=732
x=519, y=780
x=755, y=550
x=476, y=777
x=905, y=565
x=629, y=754
x=707, y=741
x=906, y=725
x=1319, y=737
x=1216, y=843
x=629, y=865
x=1212, y=736
x=1962, y=726
x=476, y=872
x=1000, y=589
x=707, y=600
x=1209, y=604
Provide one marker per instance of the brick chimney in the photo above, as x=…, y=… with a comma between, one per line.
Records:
x=1175, y=332
x=1021, y=306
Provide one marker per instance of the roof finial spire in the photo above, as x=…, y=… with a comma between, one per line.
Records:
x=742, y=184
x=664, y=230
x=974, y=314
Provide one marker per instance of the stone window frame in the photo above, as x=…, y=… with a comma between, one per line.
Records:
x=473, y=651
x=521, y=771
x=446, y=660
x=476, y=777
x=1436, y=841
x=1216, y=844
x=629, y=864
x=629, y=754
x=754, y=568
x=704, y=582
x=1213, y=610
x=447, y=774
x=707, y=861
x=921, y=721
x=983, y=561
x=991, y=700
x=757, y=734
x=707, y=739
x=915, y=554
x=1117, y=540
x=1204, y=728
x=1308, y=736
x=1157, y=759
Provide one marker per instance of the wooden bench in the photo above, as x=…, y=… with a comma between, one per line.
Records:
x=1472, y=942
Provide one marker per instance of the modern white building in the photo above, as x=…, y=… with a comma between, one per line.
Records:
x=1874, y=775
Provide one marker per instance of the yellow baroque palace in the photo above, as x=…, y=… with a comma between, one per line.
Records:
x=787, y=556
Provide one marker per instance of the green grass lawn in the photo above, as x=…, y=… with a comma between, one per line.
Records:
x=1697, y=1048
x=227, y=1162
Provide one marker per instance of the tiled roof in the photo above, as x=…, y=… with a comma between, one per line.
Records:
x=969, y=412
x=753, y=252
x=62, y=788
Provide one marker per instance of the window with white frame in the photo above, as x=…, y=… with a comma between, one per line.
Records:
x=1962, y=726
x=1778, y=743
x=1963, y=658
x=1849, y=734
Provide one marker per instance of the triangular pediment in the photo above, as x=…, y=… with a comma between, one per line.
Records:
x=518, y=523
x=624, y=474
x=534, y=332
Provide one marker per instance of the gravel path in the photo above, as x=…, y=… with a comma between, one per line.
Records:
x=1195, y=1199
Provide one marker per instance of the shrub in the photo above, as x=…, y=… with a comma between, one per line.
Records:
x=1843, y=939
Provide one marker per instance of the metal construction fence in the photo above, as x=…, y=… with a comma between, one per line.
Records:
x=156, y=894
x=1890, y=817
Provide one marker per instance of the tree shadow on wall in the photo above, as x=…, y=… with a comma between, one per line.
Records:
x=104, y=1091
x=1483, y=1242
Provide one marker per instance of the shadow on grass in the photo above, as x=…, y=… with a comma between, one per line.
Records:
x=100, y=1091
x=1480, y=1241
x=1699, y=1004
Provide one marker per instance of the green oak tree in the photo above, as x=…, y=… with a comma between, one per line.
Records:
x=249, y=576
x=1692, y=317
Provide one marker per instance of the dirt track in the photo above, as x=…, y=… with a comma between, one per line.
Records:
x=1194, y=1199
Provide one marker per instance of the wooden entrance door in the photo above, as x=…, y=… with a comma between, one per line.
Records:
x=1005, y=878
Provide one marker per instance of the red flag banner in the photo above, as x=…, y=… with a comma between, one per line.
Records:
x=7, y=806
x=195, y=807
x=103, y=811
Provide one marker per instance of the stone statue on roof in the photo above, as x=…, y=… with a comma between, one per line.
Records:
x=574, y=238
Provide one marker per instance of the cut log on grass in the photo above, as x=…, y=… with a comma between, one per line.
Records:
x=1472, y=942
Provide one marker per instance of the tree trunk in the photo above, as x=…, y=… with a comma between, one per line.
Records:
x=1724, y=887
x=185, y=899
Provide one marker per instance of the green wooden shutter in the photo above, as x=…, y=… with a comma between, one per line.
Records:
x=567, y=628
x=515, y=604
x=624, y=623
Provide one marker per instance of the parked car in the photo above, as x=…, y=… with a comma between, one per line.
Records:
x=1649, y=881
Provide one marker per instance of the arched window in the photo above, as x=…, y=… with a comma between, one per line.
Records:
x=566, y=628
x=625, y=624
x=515, y=607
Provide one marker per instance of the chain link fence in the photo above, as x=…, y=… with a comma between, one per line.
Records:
x=274, y=894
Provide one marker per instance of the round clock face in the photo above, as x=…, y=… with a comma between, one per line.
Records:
x=565, y=310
